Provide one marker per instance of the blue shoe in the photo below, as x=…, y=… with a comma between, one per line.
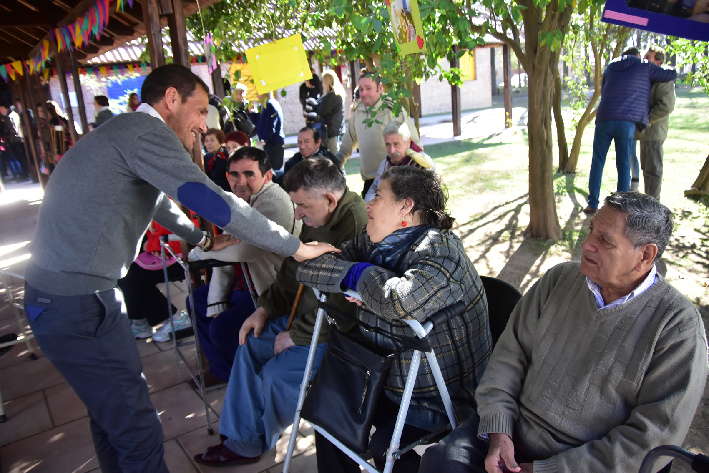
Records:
x=141, y=328
x=181, y=321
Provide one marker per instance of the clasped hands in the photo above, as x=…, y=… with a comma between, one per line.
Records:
x=501, y=456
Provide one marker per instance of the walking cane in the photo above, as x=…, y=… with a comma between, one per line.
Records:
x=296, y=303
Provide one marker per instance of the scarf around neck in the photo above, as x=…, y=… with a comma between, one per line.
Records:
x=389, y=252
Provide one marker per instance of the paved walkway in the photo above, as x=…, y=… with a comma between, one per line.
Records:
x=48, y=429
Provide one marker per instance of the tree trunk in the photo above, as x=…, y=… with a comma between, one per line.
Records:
x=559, y=119
x=543, y=220
x=701, y=184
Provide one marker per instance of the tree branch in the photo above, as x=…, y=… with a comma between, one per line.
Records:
x=514, y=45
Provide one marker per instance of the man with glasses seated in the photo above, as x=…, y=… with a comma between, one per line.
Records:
x=601, y=361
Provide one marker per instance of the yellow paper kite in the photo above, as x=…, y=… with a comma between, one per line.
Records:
x=278, y=64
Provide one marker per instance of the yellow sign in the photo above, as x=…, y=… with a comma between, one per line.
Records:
x=278, y=64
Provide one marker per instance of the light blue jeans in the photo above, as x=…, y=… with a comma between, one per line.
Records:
x=262, y=394
x=621, y=132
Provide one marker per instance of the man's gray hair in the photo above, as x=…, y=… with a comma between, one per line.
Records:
x=395, y=128
x=659, y=54
x=648, y=221
x=315, y=173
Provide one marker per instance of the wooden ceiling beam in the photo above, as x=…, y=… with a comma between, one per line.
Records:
x=21, y=20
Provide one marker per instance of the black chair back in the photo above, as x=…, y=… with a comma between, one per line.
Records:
x=502, y=298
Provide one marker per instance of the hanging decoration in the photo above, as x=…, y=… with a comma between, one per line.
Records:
x=210, y=53
x=406, y=23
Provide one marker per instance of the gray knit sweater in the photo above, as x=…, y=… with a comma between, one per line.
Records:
x=586, y=390
x=106, y=189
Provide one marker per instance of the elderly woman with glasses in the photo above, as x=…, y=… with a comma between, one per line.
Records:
x=409, y=264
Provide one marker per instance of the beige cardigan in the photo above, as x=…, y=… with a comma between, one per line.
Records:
x=273, y=203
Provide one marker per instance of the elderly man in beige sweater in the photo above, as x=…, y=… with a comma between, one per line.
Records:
x=369, y=139
x=223, y=305
x=600, y=362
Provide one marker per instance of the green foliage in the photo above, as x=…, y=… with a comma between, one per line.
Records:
x=695, y=53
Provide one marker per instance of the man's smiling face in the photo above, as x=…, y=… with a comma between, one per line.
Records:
x=188, y=118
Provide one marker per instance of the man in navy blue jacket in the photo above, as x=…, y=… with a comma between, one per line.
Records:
x=625, y=103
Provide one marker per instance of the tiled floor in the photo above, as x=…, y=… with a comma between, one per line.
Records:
x=47, y=430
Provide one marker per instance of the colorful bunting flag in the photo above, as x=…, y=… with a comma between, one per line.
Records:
x=103, y=70
x=3, y=73
x=130, y=68
x=46, y=74
x=10, y=71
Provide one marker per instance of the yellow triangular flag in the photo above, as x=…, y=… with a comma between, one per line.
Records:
x=103, y=70
x=130, y=68
x=18, y=66
x=46, y=74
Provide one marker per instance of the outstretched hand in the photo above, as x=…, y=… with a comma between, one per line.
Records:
x=312, y=250
x=353, y=299
x=501, y=455
x=224, y=240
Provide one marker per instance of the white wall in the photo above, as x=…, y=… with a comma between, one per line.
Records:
x=477, y=93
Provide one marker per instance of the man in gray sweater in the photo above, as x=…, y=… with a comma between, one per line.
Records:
x=99, y=201
x=601, y=361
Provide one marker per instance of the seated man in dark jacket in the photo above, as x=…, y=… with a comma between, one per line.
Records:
x=625, y=103
x=310, y=145
x=265, y=378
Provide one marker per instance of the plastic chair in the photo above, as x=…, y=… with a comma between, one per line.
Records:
x=502, y=298
x=394, y=452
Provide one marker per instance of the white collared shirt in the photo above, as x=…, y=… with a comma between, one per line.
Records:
x=644, y=286
x=145, y=108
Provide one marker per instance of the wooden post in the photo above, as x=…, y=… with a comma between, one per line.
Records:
x=178, y=34
x=151, y=19
x=455, y=96
x=41, y=130
x=29, y=133
x=217, y=82
x=79, y=92
x=493, y=75
x=506, y=67
x=65, y=93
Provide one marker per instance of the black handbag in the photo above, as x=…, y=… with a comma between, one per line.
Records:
x=342, y=397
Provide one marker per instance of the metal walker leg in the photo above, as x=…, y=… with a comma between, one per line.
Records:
x=199, y=379
x=306, y=380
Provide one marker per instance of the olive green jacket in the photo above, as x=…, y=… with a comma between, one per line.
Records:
x=347, y=221
x=662, y=103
